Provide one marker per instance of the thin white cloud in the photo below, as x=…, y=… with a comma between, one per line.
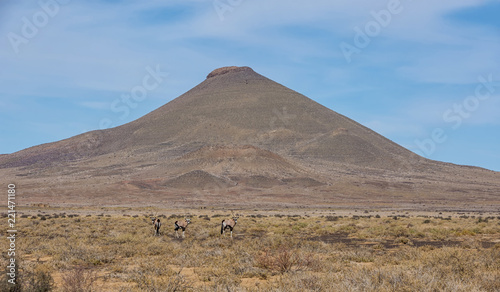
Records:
x=455, y=66
x=98, y=105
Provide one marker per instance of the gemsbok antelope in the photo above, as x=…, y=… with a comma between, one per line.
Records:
x=156, y=225
x=181, y=225
x=228, y=224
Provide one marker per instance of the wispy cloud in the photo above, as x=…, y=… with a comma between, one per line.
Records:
x=98, y=105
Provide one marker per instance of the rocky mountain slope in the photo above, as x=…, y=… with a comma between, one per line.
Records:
x=241, y=139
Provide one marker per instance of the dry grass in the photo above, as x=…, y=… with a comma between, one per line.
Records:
x=268, y=253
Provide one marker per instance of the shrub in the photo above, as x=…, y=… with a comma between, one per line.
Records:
x=37, y=279
x=157, y=276
x=284, y=259
x=79, y=279
x=332, y=218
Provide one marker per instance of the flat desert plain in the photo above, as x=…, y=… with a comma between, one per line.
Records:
x=114, y=249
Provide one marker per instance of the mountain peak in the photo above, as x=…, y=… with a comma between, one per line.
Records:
x=229, y=69
x=243, y=139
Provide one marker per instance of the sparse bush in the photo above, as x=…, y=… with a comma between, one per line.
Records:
x=403, y=240
x=204, y=217
x=481, y=219
x=79, y=279
x=31, y=278
x=308, y=254
x=359, y=255
x=154, y=276
x=284, y=259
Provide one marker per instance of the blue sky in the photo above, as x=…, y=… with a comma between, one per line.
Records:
x=424, y=74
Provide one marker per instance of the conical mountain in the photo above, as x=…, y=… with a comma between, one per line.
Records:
x=235, y=127
x=235, y=105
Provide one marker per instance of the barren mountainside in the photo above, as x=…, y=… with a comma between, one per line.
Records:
x=239, y=134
